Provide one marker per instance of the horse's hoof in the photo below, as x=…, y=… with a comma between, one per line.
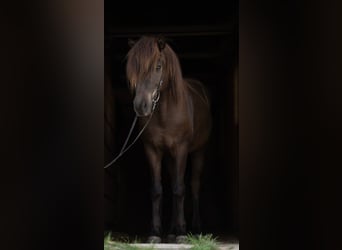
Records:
x=196, y=235
x=171, y=238
x=180, y=239
x=196, y=230
x=153, y=239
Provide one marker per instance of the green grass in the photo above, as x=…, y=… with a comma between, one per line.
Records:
x=200, y=242
x=123, y=244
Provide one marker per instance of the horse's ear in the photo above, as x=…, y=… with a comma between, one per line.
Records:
x=161, y=43
x=131, y=43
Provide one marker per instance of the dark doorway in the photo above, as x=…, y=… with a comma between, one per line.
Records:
x=206, y=43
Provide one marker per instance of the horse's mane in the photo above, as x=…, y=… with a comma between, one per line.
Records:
x=143, y=55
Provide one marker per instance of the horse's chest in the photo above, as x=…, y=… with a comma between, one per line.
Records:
x=170, y=137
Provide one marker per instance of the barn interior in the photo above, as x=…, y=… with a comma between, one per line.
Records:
x=206, y=42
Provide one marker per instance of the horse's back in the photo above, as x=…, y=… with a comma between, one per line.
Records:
x=201, y=113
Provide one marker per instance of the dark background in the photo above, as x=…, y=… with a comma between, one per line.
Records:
x=207, y=47
x=289, y=124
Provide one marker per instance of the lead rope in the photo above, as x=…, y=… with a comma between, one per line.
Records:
x=123, y=149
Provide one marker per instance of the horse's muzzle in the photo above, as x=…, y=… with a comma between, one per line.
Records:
x=142, y=107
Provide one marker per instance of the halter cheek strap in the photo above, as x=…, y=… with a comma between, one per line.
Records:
x=156, y=96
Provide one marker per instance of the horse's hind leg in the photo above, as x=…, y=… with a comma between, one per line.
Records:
x=154, y=157
x=197, y=159
x=171, y=237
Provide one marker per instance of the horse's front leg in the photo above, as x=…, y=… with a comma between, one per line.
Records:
x=154, y=157
x=180, y=157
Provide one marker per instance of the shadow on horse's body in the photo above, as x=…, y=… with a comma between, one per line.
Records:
x=178, y=113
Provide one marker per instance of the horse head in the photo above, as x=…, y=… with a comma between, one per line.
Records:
x=145, y=71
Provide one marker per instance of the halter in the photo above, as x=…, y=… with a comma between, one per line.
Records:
x=155, y=99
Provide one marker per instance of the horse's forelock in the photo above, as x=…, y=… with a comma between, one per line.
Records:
x=144, y=54
x=140, y=59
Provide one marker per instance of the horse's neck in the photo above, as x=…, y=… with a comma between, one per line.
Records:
x=173, y=104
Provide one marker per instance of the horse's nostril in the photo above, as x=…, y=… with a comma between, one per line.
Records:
x=144, y=105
